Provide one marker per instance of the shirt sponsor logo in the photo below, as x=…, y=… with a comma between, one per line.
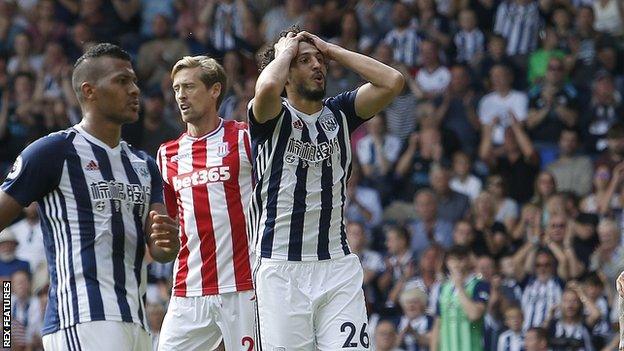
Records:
x=310, y=152
x=119, y=192
x=201, y=177
x=297, y=124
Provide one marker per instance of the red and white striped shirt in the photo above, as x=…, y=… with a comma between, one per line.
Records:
x=207, y=185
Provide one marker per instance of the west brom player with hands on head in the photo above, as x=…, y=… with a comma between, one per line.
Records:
x=308, y=283
x=101, y=204
x=207, y=182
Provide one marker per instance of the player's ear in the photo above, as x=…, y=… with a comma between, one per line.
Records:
x=87, y=90
x=215, y=90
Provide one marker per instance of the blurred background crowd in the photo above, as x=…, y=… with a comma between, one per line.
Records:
x=508, y=141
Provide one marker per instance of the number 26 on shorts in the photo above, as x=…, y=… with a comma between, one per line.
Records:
x=351, y=341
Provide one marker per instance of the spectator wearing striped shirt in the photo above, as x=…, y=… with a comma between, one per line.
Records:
x=570, y=330
x=415, y=325
x=519, y=22
x=469, y=41
x=513, y=338
x=403, y=38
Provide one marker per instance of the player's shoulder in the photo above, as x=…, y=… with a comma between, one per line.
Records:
x=169, y=143
x=231, y=125
x=53, y=143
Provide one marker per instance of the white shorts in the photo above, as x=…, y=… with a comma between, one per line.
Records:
x=98, y=336
x=199, y=323
x=311, y=305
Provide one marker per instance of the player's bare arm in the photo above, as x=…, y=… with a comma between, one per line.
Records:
x=162, y=234
x=270, y=84
x=384, y=82
x=9, y=209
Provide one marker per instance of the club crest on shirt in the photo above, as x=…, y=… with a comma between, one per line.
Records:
x=141, y=170
x=222, y=149
x=16, y=169
x=328, y=122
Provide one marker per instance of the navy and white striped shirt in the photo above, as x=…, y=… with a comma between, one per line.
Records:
x=510, y=341
x=538, y=298
x=564, y=336
x=93, y=203
x=404, y=44
x=301, y=165
x=468, y=44
x=421, y=325
x=519, y=24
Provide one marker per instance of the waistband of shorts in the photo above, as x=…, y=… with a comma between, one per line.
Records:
x=278, y=262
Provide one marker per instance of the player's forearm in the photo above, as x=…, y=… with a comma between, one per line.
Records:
x=474, y=310
x=373, y=71
x=273, y=77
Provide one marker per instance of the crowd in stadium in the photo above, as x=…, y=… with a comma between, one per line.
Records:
x=508, y=141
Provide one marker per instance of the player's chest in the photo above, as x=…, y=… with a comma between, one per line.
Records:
x=313, y=142
x=216, y=163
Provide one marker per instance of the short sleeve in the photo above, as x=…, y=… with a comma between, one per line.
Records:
x=481, y=292
x=261, y=131
x=345, y=102
x=37, y=170
x=157, y=184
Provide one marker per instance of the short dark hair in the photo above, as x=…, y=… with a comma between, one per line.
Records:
x=84, y=71
x=458, y=252
x=542, y=334
x=267, y=55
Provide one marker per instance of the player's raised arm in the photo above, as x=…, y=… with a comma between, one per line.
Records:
x=270, y=84
x=384, y=82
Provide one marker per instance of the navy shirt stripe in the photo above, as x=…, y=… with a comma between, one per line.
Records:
x=72, y=278
x=117, y=228
x=327, y=185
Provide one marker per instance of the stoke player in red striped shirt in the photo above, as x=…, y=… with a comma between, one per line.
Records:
x=207, y=185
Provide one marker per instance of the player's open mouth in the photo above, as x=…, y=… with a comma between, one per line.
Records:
x=184, y=107
x=134, y=105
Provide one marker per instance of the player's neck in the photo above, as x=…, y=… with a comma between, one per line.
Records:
x=107, y=132
x=304, y=105
x=203, y=126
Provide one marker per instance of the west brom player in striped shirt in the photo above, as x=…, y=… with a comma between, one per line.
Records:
x=100, y=202
x=308, y=283
x=207, y=182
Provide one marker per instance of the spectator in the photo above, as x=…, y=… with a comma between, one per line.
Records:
x=429, y=229
x=542, y=289
x=602, y=114
x=529, y=225
x=464, y=236
x=157, y=126
x=572, y=172
x=609, y=17
x=429, y=276
x=415, y=325
x=23, y=59
x=386, y=336
x=350, y=34
x=222, y=23
x=463, y=181
x=552, y=107
x=608, y=258
x=611, y=202
x=372, y=261
x=502, y=105
x=536, y=339
x=539, y=60
x=491, y=237
x=506, y=208
x=469, y=40
x=432, y=77
x=519, y=22
x=562, y=25
x=456, y=109
x=601, y=180
x=462, y=305
x=584, y=238
x=422, y=150
x=280, y=17
x=452, y=206
x=513, y=338
x=375, y=18
x=593, y=290
x=24, y=307
x=30, y=239
x=377, y=154
x=9, y=264
x=545, y=186
x=430, y=24
x=570, y=331
x=516, y=161
x=157, y=56
x=363, y=204
x=496, y=55
x=400, y=265
x=403, y=39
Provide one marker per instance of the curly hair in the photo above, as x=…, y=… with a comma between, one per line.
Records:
x=267, y=54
